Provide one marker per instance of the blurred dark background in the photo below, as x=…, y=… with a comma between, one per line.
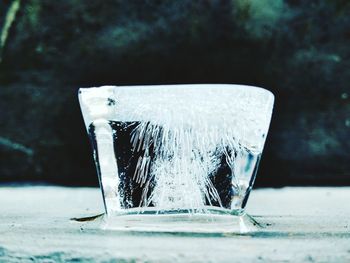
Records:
x=300, y=50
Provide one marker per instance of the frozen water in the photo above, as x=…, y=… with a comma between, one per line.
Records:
x=176, y=147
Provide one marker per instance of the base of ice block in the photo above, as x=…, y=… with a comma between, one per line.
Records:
x=211, y=222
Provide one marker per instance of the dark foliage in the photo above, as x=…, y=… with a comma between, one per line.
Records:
x=300, y=50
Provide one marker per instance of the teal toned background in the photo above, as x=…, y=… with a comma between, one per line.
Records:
x=300, y=50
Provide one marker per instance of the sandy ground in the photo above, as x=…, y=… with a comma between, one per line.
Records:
x=298, y=225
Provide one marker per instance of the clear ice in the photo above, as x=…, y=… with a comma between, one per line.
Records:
x=176, y=148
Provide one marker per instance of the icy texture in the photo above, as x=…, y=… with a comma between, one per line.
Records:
x=179, y=147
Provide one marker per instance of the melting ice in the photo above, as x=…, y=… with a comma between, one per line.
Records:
x=176, y=148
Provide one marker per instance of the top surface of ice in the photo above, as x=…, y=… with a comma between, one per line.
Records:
x=236, y=110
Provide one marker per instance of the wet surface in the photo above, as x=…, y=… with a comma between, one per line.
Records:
x=296, y=225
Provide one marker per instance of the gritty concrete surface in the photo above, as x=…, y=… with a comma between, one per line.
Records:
x=298, y=225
